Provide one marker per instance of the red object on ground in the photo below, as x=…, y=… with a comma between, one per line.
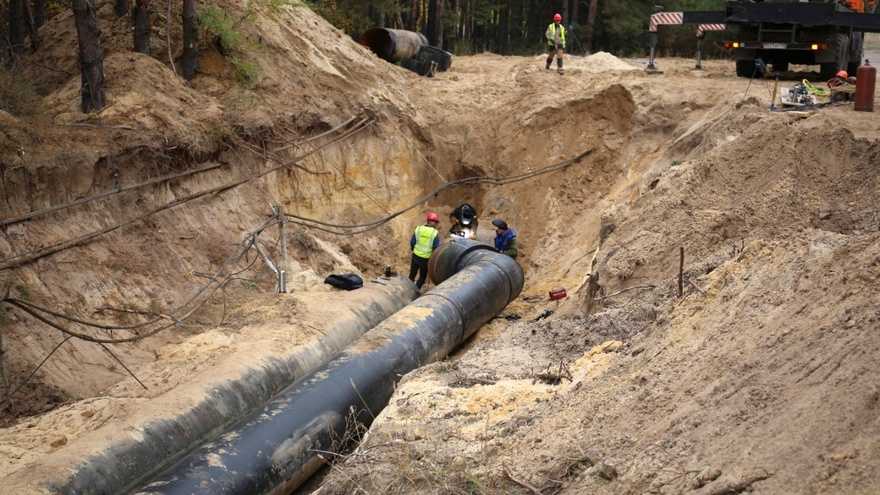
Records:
x=866, y=81
x=557, y=294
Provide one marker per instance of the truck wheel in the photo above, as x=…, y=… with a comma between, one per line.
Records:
x=745, y=68
x=840, y=43
x=856, y=53
x=827, y=71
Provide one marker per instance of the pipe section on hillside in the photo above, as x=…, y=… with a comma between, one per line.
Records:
x=393, y=45
x=278, y=449
x=130, y=462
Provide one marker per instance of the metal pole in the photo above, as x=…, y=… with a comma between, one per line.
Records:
x=653, y=41
x=282, y=267
x=700, y=36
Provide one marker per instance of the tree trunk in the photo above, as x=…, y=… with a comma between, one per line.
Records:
x=29, y=22
x=434, y=26
x=565, y=12
x=91, y=56
x=39, y=13
x=121, y=8
x=189, y=61
x=591, y=25
x=16, y=26
x=142, y=26
x=431, y=24
x=441, y=9
x=575, y=12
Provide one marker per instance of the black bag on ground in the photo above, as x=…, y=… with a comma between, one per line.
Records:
x=345, y=281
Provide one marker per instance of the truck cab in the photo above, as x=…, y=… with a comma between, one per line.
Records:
x=795, y=32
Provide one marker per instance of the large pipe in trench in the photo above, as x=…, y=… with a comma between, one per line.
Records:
x=131, y=460
x=278, y=450
x=393, y=45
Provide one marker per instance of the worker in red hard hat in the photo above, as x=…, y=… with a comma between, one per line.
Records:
x=424, y=241
x=555, y=42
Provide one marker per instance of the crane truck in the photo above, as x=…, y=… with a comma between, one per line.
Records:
x=827, y=33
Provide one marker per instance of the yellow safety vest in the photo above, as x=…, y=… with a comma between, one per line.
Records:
x=425, y=236
x=551, y=35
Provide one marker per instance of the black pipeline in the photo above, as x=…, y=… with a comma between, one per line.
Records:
x=393, y=45
x=275, y=451
x=131, y=460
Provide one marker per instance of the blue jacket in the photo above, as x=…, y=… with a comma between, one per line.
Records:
x=504, y=240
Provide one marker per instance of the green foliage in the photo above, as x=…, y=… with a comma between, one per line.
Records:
x=356, y=16
x=517, y=26
x=247, y=72
x=220, y=24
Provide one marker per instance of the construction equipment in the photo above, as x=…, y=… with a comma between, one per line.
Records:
x=828, y=33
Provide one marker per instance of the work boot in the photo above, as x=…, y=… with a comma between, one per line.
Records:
x=561, y=71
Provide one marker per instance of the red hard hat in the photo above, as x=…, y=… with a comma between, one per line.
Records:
x=433, y=217
x=842, y=74
x=557, y=17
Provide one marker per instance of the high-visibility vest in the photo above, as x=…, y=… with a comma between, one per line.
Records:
x=551, y=34
x=425, y=236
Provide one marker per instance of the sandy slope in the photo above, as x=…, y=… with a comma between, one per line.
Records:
x=760, y=378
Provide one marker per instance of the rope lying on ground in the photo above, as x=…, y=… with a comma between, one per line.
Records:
x=158, y=180
x=27, y=258
x=338, y=229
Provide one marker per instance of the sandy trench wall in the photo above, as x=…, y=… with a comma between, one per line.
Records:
x=155, y=125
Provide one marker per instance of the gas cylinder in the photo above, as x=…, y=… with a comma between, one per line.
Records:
x=866, y=80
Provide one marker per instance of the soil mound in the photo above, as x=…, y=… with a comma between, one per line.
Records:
x=603, y=62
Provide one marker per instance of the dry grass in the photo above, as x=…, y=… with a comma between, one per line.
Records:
x=18, y=96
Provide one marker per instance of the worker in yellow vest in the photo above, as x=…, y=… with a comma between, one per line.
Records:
x=556, y=42
x=424, y=241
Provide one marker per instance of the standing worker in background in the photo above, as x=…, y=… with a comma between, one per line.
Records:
x=505, y=238
x=556, y=40
x=424, y=241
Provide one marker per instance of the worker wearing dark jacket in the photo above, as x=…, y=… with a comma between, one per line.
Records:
x=555, y=36
x=424, y=241
x=505, y=238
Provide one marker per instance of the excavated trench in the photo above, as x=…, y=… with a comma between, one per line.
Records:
x=198, y=382
x=657, y=175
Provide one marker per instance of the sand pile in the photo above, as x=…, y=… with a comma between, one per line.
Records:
x=603, y=62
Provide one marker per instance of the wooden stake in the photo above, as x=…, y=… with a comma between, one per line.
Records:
x=3, y=381
x=681, y=272
x=282, y=266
